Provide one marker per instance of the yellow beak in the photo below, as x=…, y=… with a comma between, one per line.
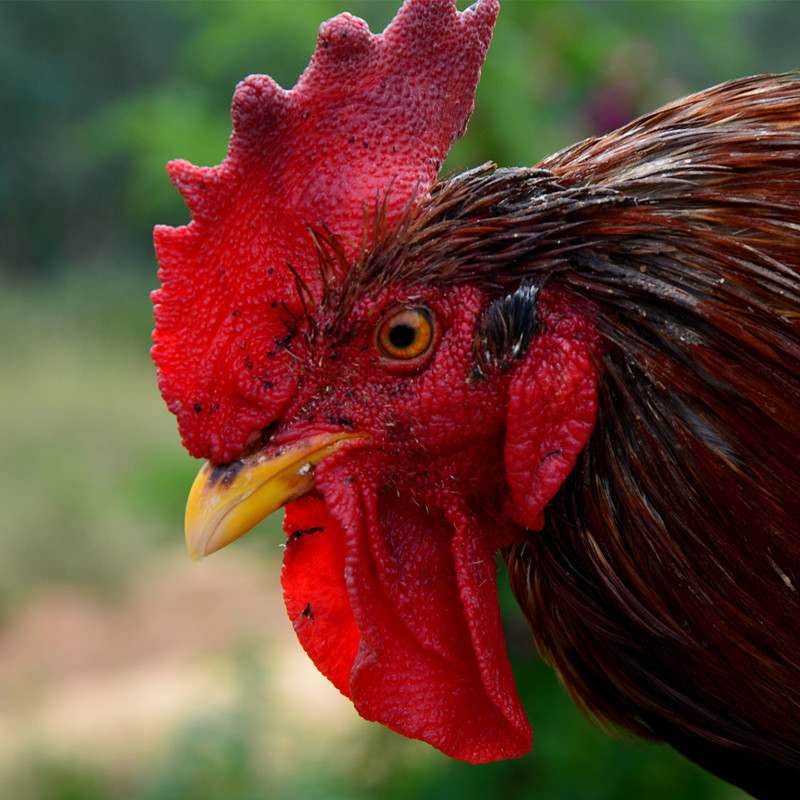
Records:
x=227, y=501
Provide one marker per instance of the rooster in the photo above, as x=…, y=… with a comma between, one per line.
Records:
x=591, y=366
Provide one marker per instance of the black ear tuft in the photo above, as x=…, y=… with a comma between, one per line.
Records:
x=507, y=326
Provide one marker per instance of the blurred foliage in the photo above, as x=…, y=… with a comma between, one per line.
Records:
x=95, y=99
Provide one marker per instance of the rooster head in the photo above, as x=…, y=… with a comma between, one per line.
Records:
x=323, y=352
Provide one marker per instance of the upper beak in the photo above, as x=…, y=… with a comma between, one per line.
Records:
x=228, y=500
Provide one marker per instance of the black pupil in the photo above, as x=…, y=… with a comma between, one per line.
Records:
x=402, y=336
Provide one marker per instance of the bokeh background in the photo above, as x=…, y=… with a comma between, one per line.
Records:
x=125, y=672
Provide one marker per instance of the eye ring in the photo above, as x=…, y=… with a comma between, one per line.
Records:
x=406, y=334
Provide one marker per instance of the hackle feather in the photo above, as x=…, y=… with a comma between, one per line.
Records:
x=664, y=587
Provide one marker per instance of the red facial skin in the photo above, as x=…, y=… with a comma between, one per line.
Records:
x=389, y=573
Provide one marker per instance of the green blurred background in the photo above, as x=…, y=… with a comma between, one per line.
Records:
x=124, y=671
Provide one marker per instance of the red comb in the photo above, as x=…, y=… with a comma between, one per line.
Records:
x=370, y=112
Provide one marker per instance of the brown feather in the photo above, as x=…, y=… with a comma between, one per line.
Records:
x=664, y=586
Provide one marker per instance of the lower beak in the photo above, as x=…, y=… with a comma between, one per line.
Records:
x=228, y=500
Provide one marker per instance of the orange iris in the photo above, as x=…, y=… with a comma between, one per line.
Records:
x=406, y=334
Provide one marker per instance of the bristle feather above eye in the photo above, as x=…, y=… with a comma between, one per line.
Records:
x=507, y=327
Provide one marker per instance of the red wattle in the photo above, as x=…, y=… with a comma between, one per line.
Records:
x=417, y=596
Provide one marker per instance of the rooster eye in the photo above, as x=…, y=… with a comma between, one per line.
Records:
x=406, y=334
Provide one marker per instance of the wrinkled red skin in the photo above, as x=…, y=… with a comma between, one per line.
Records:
x=391, y=590
x=389, y=571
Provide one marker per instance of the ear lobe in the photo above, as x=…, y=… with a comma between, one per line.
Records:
x=552, y=409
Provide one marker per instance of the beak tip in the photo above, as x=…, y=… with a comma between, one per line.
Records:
x=202, y=539
x=200, y=542
x=197, y=558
